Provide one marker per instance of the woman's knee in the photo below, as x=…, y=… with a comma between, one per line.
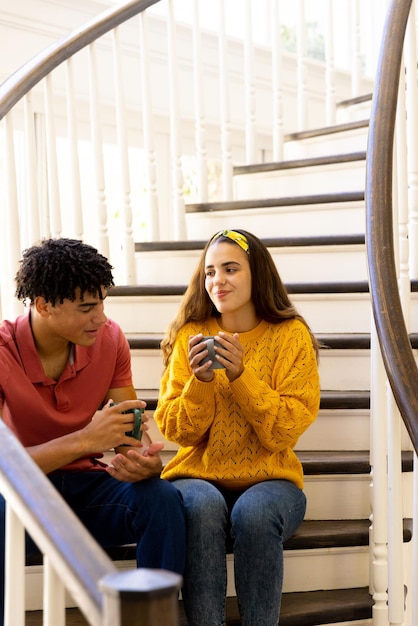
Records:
x=202, y=501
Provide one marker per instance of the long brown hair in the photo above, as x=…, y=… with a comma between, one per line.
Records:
x=268, y=292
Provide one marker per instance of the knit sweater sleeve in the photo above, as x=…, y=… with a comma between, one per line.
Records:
x=186, y=406
x=281, y=410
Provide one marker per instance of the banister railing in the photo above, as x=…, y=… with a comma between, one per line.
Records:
x=71, y=553
x=388, y=312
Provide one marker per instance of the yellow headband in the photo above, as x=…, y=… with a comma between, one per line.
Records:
x=238, y=238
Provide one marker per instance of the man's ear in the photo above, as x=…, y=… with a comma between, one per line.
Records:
x=42, y=307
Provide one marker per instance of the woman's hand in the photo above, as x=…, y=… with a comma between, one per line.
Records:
x=230, y=354
x=137, y=464
x=197, y=352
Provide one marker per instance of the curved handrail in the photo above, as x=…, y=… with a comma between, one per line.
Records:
x=398, y=357
x=32, y=72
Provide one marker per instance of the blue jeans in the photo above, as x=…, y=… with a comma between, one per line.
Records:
x=149, y=513
x=257, y=520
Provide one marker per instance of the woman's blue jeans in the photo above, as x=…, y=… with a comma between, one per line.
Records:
x=258, y=520
x=149, y=513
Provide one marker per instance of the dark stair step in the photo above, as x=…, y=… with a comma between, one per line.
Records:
x=240, y=205
x=328, y=130
x=270, y=242
x=280, y=166
x=329, y=399
x=310, y=608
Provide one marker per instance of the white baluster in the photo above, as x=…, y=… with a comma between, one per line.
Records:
x=127, y=242
x=227, y=169
x=175, y=141
x=54, y=596
x=330, y=66
x=378, y=485
x=149, y=140
x=249, y=87
x=202, y=167
x=301, y=67
x=14, y=609
x=277, y=83
x=412, y=134
x=11, y=237
x=32, y=232
x=356, y=49
x=54, y=205
x=97, y=145
x=74, y=167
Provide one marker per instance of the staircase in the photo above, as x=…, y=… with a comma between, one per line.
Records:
x=309, y=210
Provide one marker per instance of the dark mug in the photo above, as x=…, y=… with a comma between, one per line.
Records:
x=211, y=343
x=136, y=432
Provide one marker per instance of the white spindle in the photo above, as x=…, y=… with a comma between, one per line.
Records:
x=74, y=167
x=250, y=105
x=14, y=609
x=356, y=49
x=330, y=108
x=175, y=141
x=97, y=146
x=11, y=240
x=227, y=168
x=277, y=82
x=199, y=102
x=127, y=242
x=148, y=123
x=54, y=205
x=412, y=134
x=54, y=596
x=42, y=173
x=301, y=67
x=379, y=482
x=32, y=232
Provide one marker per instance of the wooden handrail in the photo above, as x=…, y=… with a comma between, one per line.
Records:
x=399, y=362
x=32, y=72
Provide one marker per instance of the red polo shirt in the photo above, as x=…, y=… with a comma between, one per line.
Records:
x=37, y=408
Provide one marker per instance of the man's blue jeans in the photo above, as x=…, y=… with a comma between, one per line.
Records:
x=258, y=520
x=149, y=513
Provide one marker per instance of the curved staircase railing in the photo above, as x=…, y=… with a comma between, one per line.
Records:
x=399, y=361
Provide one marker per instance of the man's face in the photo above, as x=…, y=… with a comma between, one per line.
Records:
x=77, y=321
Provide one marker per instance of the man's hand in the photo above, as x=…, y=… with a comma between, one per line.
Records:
x=137, y=464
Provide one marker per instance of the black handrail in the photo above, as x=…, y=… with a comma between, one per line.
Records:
x=32, y=72
x=391, y=329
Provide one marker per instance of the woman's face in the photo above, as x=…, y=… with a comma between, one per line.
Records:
x=228, y=278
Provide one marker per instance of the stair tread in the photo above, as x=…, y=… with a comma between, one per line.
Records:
x=238, y=205
x=311, y=535
x=309, y=608
x=276, y=166
x=333, y=399
x=328, y=130
x=270, y=242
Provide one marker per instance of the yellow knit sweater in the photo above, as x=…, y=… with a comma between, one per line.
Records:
x=244, y=432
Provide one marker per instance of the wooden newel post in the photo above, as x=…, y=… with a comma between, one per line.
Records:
x=141, y=597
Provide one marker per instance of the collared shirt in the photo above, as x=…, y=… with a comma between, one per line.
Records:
x=38, y=408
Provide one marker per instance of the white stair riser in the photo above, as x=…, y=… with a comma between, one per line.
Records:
x=316, y=264
x=338, y=143
x=347, y=496
x=339, y=369
x=301, y=181
x=304, y=220
x=325, y=313
x=303, y=571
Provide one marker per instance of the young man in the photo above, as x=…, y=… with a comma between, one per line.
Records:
x=62, y=366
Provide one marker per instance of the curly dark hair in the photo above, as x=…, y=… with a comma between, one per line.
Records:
x=56, y=268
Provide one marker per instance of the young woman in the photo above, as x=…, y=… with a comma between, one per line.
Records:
x=237, y=426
